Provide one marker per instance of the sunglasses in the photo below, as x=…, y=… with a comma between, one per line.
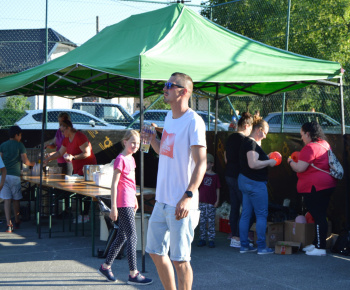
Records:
x=169, y=85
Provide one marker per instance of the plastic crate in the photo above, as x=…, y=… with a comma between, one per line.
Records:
x=224, y=226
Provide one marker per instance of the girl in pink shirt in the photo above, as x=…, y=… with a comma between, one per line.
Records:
x=123, y=207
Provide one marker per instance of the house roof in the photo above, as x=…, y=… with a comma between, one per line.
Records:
x=21, y=49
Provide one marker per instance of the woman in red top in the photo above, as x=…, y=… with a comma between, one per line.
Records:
x=314, y=185
x=76, y=148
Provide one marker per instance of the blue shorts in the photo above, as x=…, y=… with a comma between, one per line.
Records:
x=165, y=231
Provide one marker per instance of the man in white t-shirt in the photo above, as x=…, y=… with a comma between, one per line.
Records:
x=182, y=165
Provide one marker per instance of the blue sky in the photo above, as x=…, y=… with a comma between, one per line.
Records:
x=74, y=19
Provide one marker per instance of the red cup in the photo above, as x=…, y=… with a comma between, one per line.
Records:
x=277, y=156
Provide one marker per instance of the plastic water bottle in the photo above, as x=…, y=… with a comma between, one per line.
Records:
x=234, y=123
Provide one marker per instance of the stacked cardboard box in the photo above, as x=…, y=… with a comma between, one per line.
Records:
x=302, y=233
x=286, y=248
x=274, y=233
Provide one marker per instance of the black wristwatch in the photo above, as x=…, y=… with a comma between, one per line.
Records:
x=189, y=193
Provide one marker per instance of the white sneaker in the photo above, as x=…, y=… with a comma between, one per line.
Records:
x=235, y=244
x=316, y=252
x=309, y=248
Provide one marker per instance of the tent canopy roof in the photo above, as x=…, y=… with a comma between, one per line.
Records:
x=153, y=45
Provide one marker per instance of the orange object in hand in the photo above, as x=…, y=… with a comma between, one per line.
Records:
x=277, y=156
x=295, y=156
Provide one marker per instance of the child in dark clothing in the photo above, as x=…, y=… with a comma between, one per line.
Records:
x=209, y=193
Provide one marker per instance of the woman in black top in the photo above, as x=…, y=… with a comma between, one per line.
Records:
x=233, y=143
x=252, y=181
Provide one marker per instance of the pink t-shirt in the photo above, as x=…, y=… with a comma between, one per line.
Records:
x=126, y=196
x=316, y=154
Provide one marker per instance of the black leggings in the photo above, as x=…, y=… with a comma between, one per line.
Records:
x=317, y=203
x=126, y=231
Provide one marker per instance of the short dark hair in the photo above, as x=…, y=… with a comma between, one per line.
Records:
x=185, y=80
x=314, y=129
x=67, y=123
x=14, y=130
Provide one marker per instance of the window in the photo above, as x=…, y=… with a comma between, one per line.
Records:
x=276, y=120
x=81, y=119
x=52, y=117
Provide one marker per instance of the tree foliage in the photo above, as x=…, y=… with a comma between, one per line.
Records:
x=17, y=103
x=14, y=108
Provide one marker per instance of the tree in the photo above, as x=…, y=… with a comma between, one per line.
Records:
x=17, y=103
x=14, y=108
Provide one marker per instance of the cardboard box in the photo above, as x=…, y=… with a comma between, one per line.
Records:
x=287, y=247
x=274, y=233
x=302, y=233
x=225, y=226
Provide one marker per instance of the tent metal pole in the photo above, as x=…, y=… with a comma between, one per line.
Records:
x=42, y=158
x=287, y=42
x=342, y=105
x=345, y=153
x=142, y=171
x=216, y=117
x=208, y=114
x=233, y=109
x=46, y=33
x=216, y=108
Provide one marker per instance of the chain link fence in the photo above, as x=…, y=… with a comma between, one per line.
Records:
x=317, y=29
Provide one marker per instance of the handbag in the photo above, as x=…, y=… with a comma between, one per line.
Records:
x=335, y=168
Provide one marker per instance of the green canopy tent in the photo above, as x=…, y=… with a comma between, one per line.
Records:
x=151, y=46
x=135, y=56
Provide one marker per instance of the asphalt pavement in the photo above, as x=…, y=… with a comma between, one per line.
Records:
x=65, y=261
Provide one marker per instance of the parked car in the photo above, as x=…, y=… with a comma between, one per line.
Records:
x=111, y=113
x=294, y=120
x=158, y=117
x=81, y=120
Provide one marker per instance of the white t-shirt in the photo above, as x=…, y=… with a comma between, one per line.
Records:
x=175, y=157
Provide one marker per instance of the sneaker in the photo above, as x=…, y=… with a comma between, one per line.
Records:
x=107, y=273
x=316, y=252
x=9, y=229
x=309, y=248
x=247, y=250
x=266, y=251
x=139, y=280
x=235, y=244
x=211, y=244
x=201, y=243
x=17, y=225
